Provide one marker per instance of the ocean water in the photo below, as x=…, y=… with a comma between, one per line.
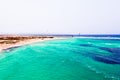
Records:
x=67, y=59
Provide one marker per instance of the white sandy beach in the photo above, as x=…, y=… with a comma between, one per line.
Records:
x=5, y=46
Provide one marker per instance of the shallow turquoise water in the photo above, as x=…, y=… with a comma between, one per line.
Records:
x=70, y=59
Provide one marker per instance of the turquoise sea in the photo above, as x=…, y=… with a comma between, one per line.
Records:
x=66, y=59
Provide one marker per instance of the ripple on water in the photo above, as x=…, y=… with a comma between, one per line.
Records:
x=73, y=59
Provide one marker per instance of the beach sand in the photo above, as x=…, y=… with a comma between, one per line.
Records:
x=6, y=45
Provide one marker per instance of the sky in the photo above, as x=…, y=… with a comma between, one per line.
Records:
x=59, y=16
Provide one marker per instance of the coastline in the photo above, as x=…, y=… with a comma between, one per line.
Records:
x=4, y=47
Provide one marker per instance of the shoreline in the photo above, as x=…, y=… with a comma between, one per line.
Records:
x=5, y=47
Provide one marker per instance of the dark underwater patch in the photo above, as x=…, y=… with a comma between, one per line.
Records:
x=112, y=50
x=110, y=40
x=105, y=59
x=11, y=48
x=87, y=45
x=114, y=58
